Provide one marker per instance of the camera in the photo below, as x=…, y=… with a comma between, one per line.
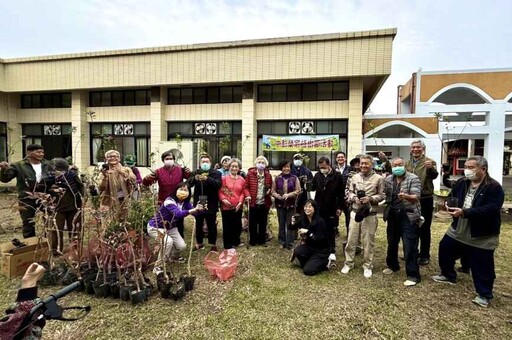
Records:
x=360, y=194
x=203, y=200
x=104, y=167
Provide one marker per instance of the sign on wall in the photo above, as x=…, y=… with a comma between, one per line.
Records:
x=301, y=142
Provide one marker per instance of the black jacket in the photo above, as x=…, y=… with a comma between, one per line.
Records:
x=485, y=214
x=329, y=194
x=316, y=237
x=210, y=188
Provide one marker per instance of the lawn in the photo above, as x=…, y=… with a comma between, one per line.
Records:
x=269, y=298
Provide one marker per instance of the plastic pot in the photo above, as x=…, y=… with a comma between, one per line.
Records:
x=160, y=279
x=69, y=277
x=188, y=281
x=178, y=291
x=88, y=281
x=165, y=290
x=114, y=290
x=138, y=297
x=124, y=292
x=101, y=290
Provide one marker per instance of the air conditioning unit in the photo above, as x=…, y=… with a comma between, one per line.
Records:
x=185, y=153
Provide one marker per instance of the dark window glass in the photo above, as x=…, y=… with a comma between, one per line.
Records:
x=129, y=98
x=265, y=93
x=293, y=92
x=186, y=96
x=237, y=94
x=66, y=100
x=148, y=97
x=26, y=101
x=309, y=91
x=32, y=130
x=66, y=129
x=106, y=98
x=226, y=94
x=278, y=93
x=142, y=129
x=339, y=126
x=213, y=95
x=264, y=128
x=340, y=91
x=95, y=99
x=3, y=128
x=280, y=128
x=56, y=100
x=200, y=95
x=325, y=91
x=46, y=100
x=117, y=98
x=237, y=128
x=323, y=126
x=36, y=101
x=174, y=96
x=140, y=97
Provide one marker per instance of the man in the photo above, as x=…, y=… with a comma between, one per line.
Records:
x=474, y=231
x=304, y=175
x=402, y=214
x=30, y=174
x=206, y=182
x=329, y=197
x=425, y=169
x=344, y=170
x=364, y=191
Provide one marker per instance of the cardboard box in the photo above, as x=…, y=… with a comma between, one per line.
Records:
x=15, y=261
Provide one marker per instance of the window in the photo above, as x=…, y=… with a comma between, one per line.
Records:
x=55, y=138
x=45, y=100
x=127, y=138
x=215, y=138
x=303, y=127
x=303, y=92
x=205, y=95
x=3, y=142
x=119, y=98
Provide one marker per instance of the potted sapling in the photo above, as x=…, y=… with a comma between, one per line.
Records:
x=189, y=279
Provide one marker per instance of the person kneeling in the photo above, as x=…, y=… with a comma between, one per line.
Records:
x=313, y=253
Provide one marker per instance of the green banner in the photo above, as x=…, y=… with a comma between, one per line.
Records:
x=301, y=142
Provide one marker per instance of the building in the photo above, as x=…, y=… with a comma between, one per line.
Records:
x=458, y=113
x=219, y=97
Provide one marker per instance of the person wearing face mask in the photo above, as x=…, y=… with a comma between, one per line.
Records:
x=327, y=184
x=304, y=175
x=224, y=165
x=206, y=182
x=364, y=192
x=476, y=202
x=313, y=253
x=167, y=177
x=164, y=224
x=402, y=215
x=426, y=169
x=344, y=170
x=258, y=186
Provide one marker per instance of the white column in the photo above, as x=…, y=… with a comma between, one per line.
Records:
x=355, y=120
x=157, y=124
x=14, y=139
x=471, y=147
x=80, y=135
x=249, y=126
x=493, y=144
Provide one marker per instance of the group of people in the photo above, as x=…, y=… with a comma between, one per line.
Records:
x=354, y=190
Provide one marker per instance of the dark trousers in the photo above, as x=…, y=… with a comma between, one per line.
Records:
x=28, y=208
x=286, y=237
x=312, y=261
x=258, y=216
x=331, y=222
x=69, y=219
x=398, y=227
x=231, y=227
x=181, y=227
x=211, y=222
x=427, y=209
x=481, y=263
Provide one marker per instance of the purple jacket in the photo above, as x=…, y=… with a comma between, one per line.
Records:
x=169, y=213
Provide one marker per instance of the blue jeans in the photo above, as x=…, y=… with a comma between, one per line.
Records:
x=481, y=262
x=286, y=237
x=398, y=227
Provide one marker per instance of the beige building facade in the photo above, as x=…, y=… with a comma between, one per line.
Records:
x=219, y=97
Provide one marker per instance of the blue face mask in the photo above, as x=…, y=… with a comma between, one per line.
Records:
x=398, y=170
x=205, y=166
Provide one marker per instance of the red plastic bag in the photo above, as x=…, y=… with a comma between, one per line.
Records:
x=221, y=266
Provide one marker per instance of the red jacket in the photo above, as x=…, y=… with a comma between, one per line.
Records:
x=251, y=186
x=168, y=179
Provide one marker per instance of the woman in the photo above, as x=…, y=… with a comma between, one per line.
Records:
x=164, y=223
x=70, y=189
x=313, y=253
x=285, y=190
x=258, y=185
x=129, y=161
x=231, y=196
x=116, y=186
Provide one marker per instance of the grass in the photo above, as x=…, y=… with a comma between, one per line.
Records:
x=271, y=299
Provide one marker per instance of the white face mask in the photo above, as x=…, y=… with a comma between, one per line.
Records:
x=169, y=162
x=470, y=174
x=324, y=171
x=297, y=162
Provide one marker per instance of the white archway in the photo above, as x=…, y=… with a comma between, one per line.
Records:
x=416, y=129
x=508, y=98
x=482, y=94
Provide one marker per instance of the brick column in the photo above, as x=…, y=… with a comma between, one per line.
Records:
x=80, y=138
x=14, y=141
x=355, y=120
x=249, y=131
x=158, y=125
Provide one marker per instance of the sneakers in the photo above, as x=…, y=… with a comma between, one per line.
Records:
x=388, y=271
x=463, y=270
x=345, y=269
x=367, y=273
x=442, y=279
x=423, y=261
x=410, y=283
x=179, y=259
x=213, y=248
x=332, y=257
x=157, y=270
x=198, y=246
x=482, y=301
